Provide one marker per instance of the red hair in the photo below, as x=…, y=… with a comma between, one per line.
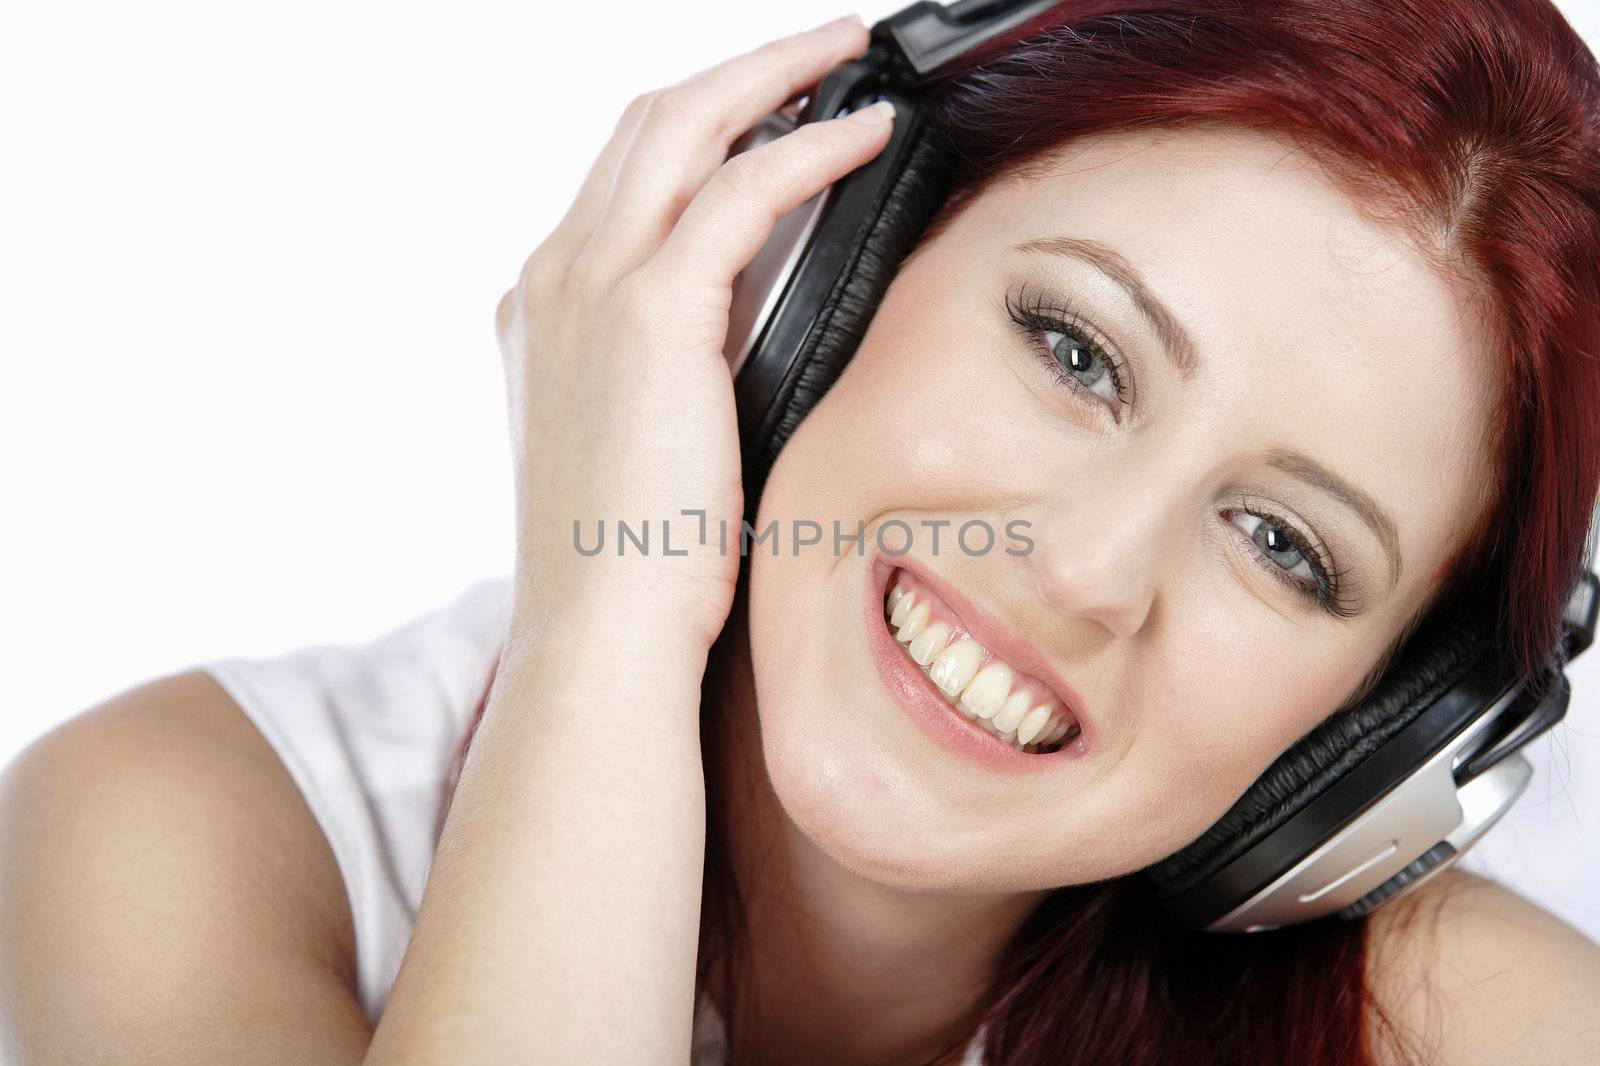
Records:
x=1475, y=124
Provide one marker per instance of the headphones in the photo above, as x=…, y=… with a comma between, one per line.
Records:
x=1364, y=808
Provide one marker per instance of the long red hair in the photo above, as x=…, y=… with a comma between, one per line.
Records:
x=1476, y=123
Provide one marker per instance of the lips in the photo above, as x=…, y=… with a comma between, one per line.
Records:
x=971, y=684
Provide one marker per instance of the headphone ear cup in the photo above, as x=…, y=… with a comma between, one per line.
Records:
x=905, y=204
x=1432, y=661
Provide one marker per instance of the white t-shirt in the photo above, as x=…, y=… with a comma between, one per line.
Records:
x=369, y=734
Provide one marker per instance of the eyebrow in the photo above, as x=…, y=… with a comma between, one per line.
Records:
x=1181, y=350
x=1302, y=466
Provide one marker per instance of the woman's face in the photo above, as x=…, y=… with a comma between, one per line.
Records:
x=1338, y=383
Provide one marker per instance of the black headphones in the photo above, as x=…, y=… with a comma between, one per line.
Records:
x=1362, y=809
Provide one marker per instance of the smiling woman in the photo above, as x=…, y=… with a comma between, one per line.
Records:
x=1269, y=326
x=1244, y=354
x=1210, y=593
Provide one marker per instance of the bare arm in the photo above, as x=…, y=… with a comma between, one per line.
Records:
x=561, y=915
x=1479, y=976
x=167, y=897
x=165, y=891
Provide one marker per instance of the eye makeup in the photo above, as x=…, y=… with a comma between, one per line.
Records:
x=1067, y=345
x=1273, y=535
x=1077, y=356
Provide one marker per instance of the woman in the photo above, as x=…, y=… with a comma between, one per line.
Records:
x=696, y=812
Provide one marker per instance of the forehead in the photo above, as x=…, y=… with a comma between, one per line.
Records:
x=1317, y=327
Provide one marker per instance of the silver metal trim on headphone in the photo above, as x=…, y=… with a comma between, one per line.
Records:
x=757, y=287
x=929, y=35
x=1425, y=809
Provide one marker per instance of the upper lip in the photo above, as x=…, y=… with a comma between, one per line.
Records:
x=987, y=629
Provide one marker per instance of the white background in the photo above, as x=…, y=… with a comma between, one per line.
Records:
x=249, y=258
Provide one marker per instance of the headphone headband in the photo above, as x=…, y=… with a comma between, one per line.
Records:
x=1367, y=805
x=927, y=35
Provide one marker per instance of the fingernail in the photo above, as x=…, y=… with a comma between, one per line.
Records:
x=873, y=115
x=841, y=23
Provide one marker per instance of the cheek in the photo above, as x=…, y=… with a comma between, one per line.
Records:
x=931, y=417
x=834, y=760
x=1222, y=700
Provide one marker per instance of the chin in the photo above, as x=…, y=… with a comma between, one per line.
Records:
x=840, y=773
x=859, y=813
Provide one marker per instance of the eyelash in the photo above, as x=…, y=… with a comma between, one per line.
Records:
x=1327, y=592
x=1038, y=313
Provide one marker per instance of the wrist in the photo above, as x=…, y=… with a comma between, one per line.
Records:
x=596, y=692
x=623, y=641
x=628, y=603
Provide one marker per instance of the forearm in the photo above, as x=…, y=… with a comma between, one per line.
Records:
x=561, y=916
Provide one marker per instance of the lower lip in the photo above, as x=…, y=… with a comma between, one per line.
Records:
x=925, y=704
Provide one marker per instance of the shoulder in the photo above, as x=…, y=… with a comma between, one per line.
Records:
x=1468, y=967
x=161, y=875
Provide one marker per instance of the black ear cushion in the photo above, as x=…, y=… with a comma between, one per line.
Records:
x=905, y=205
x=1430, y=664
x=1432, y=661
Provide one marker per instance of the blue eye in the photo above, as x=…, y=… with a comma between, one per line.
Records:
x=1065, y=343
x=1066, y=347
x=1079, y=357
x=1283, y=551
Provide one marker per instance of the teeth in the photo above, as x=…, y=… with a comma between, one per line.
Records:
x=914, y=621
x=1034, y=724
x=1016, y=707
x=928, y=643
x=898, y=612
x=985, y=695
x=987, y=691
x=954, y=666
x=1062, y=727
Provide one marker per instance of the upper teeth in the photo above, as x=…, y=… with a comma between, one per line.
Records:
x=988, y=692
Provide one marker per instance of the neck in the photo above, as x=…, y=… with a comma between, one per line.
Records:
x=839, y=968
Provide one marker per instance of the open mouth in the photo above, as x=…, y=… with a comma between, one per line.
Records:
x=1014, y=707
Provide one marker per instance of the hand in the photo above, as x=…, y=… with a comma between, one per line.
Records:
x=621, y=404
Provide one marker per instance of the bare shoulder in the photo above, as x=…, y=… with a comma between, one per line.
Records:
x=1469, y=968
x=167, y=896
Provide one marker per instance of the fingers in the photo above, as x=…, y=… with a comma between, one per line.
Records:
x=684, y=132
x=734, y=212
x=578, y=223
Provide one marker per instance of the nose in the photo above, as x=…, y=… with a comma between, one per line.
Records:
x=1098, y=551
